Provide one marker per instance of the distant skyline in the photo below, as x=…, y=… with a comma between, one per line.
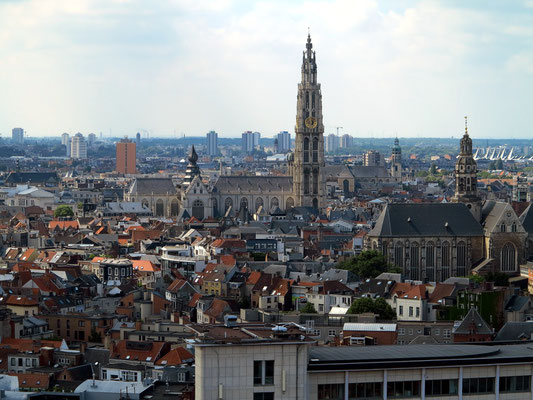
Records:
x=174, y=67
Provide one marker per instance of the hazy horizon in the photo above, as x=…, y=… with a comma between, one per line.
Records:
x=392, y=67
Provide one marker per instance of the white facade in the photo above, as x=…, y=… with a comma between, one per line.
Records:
x=78, y=147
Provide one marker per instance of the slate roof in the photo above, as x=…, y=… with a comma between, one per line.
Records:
x=126, y=207
x=515, y=331
x=527, y=219
x=473, y=318
x=147, y=186
x=255, y=184
x=32, y=177
x=422, y=220
x=491, y=213
x=516, y=303
x=361, y=171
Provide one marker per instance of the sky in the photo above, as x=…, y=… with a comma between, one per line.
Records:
x=185, y=67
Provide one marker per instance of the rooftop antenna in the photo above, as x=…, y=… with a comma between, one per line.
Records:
x=466, y=125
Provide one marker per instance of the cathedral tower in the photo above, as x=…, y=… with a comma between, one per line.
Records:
x=466, y=177
x=396, y=161
x=307, y=165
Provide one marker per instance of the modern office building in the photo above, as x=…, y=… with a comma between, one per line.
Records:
x=332, y=143
x=126, y=157
x=91, y=139
x=346, y=141
x=373, y=158
x=138, y=138
x=78, y=147
x=66, y=141
x=284, y=142
x=250, y=140
x=17, y=135
x=212, y=143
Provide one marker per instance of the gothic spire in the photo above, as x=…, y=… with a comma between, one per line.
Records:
x=466, y=142
x=309, y=63
x=193, y=157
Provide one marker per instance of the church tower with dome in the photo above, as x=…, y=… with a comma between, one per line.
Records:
x=466, y=177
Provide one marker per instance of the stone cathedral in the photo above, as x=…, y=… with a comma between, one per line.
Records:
x=304, y=186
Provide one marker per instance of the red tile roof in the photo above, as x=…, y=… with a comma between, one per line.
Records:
x=176, y=356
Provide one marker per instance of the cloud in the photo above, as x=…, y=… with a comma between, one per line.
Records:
x=229, y=65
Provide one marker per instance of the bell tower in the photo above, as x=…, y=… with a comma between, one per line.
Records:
x=466, y=177
x=308, y=162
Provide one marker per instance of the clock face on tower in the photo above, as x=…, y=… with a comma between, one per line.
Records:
x=311, y=122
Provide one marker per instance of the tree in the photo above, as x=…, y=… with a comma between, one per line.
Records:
x=433, y=169
x=368, y=264
x=499, y=164
x=63, y=211
x=309, y=308
x=95, y=337
x=367, y=305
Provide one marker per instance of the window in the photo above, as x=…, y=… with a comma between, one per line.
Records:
x=367, y=390
x=478, y=385
x=502, y=228
x=334, y=391
x=104, y=374
x=401, y=331
x=264, y=396
x=410, y=331
x=410, y=311
x=437, y=332
x=441, y=387
x=28, y=362
x=513, y=227
x=401, y=310
x=508, y=258
x=321, y=308
x=264, y=372
x=403, y=389
x=81, y=323
x=332, y=332
x=398, y=255
x=13, y=362
x=515, y=383
x=447, y=333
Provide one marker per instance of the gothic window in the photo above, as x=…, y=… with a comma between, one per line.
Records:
x=145, y=202
x=244, y=203
x=306, y=182
x=198, y=209
x=313, y=102
x=274, y=202
x=508, y=258
x=315, y=181
x=445, y=254
x=258, y=202
x=159, y=208
x=430, y=254
x=315, y=150
x=306, y=149
x=415, y=260
x=289, y=203
x=445, y=261
x=502, y=228
x=461, y=254
x=398, y=255
x=513, y=227
x=174, y=207
x=215, y=207
x=315, y=203
x=346, y=187
x=228, y=203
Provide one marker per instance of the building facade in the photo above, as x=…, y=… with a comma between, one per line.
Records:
x=17, y=135
x=212, y=143
x=126, y=157
x=78, y=147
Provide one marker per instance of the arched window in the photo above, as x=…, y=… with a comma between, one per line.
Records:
x=198, y=209
x=289, y=203
x=513, y=227
x=415, y=260
x=346, y=187
x=315, y=182
x=430, y=261
x=306, y=149
x=258, y=203
x=174, y=207
x=306, y=182
x=445, y=261
x=315, y=150
x=508, y=258
x=398, y=254
x=274, y=202
x=244, y=203
x=461, y=259
x=159, y=208
x=215, y=207
x=502, y=228
x=228, y=203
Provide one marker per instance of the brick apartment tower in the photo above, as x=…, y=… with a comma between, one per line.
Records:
x=126, y=157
